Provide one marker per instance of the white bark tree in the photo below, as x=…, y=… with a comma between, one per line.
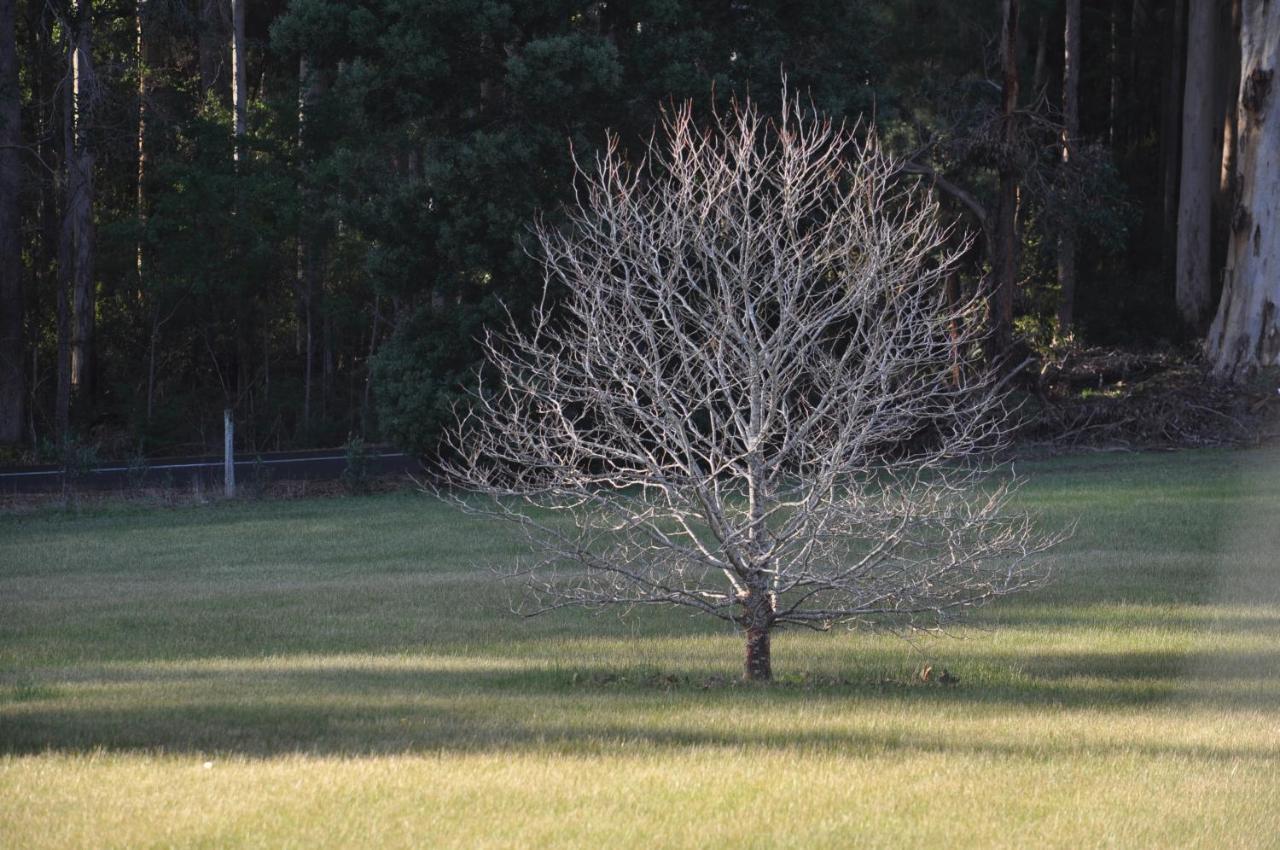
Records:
x=755, y=399
x=239, y=79
x=1246, y=330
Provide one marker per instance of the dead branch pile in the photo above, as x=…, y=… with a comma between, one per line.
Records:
x=1102, y=398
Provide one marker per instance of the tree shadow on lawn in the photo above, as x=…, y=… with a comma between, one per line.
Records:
x=355, y=710
x=1176, y=615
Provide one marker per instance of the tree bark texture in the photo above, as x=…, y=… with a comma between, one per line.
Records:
x=1199, y=170
x=1070, y=132
x=1113, y=71
x=239, y=80
x=311, y=236
x=12, y=374
x=757, y=620
x=1042, y=53
x=1005, y=263
x=1246, y=330
x=1170, y=132
x=147, y=60
x=75, y=251
x=1226, y=96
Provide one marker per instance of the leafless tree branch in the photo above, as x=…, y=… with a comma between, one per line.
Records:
x=754, y=399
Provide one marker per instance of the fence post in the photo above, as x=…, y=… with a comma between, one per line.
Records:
x=229, y=453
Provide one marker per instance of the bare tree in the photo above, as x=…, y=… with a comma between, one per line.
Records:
x=756, y=399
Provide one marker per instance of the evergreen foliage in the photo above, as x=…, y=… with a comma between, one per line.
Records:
x=335, y=277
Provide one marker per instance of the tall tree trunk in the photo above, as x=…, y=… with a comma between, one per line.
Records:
x=45, y=220
x=1226, y=96
x=12, y=312
x=66, y=274
x=1005, y=263
x=1070, y=132
x=146, y=68
x=1246, y=331
x=239, y=78
x=311, y=236
x=1042, y=53
x=75, y=253
x=1199, y=170
x=365, y=423
x=1113, y=71
x=1171, y=133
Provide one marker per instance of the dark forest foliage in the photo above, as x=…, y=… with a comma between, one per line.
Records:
x=333, y=278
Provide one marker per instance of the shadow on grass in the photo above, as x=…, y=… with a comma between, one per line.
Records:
x=354, y=710
x=267, y=731
x=1186, y=616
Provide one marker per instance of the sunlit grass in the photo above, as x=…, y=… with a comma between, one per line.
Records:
x=343, y=673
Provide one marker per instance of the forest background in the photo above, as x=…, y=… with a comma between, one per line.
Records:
x=308, y=211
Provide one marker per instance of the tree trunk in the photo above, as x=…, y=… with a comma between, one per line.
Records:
x=1113, y=72
x=1005, y=262
x=239, y=80
x=1226, y=96
x=12, y=374
x=146, y=58
x=83, y=305
x=1246, y=331
x=1070, y=132
x=1042, y=54
x=1170, y=134
x=1199, y=170
x=311, y=235
x=759, y=666
x=66, y=253
x=75, y=250
x=757, y=620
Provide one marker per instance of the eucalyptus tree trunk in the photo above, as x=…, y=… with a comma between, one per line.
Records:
x=1042, y=53
x=1245, y=334
x=1005, y=262
x=309, y=265
x=146, y=59
x=12, y=383
x=76, y=251
x=1226, y=96
x=1199, y=170
x=1170, y=133
x=239, y=78
x=1113, y=72
x=1070, y=132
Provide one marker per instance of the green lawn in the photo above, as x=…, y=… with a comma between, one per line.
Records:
x=340, y=673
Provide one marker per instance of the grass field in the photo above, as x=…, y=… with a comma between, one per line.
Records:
x=338, y=672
